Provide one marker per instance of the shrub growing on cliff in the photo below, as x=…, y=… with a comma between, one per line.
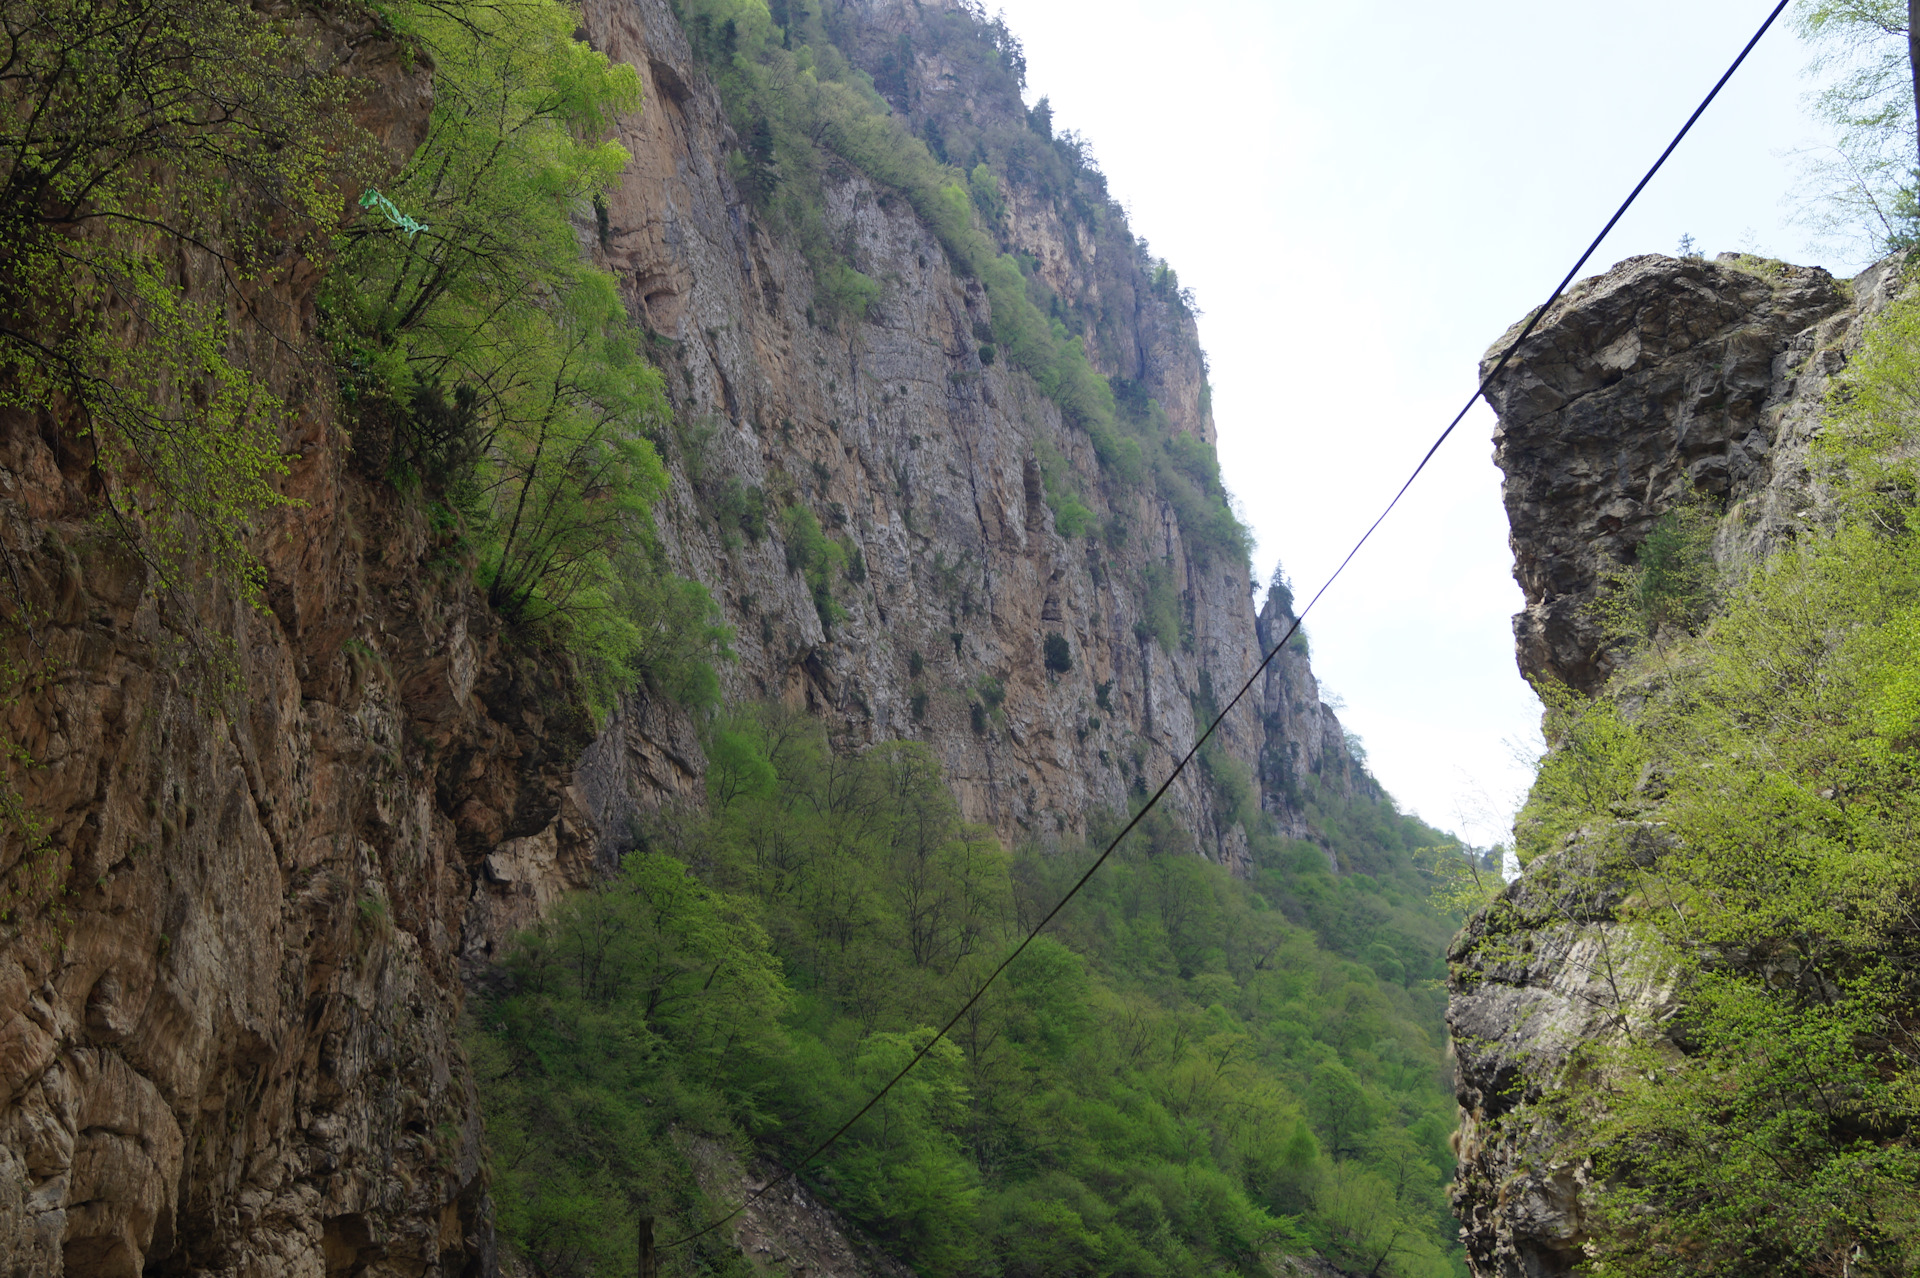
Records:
x=1673, y=584
x=558, y=473
x=818, y=558
x=1057, y=653
x=1160, y=607
x=159, y=159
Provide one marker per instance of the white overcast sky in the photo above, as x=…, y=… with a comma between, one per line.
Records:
x=1363, y=194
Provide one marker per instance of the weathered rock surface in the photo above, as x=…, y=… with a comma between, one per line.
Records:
x=230, y=1037
x=254, y=850
x=1541, y=973
x=1661, y=377
x=898, y=437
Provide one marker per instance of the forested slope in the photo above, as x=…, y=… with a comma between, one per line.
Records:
x=1188, y=1072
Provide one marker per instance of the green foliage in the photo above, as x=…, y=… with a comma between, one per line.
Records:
x=1071, y=517
x=640, y=1013
x=1465, y=879
x=1160, y=608
x=546, y=449
x=989, y=696
x=1057, y=653
x=844, y=293
x=1873, y=422
x=984, y=189
x=1280, y=590
x=1590, y=776
x=649, y=628
x=1187, y=477
x=816, y=557
x=1673, y=584
x=741, y=510
x=158, y=158
x=1179, y=1079
x=1865, y=187
x=1786, y=764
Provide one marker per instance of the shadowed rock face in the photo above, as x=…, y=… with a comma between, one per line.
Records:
x=230, y=971
x=1660, y=377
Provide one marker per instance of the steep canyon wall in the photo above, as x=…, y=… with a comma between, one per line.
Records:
x=898, y=436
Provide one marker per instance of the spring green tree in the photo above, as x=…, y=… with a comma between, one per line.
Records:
x=549, y=461
x=161, y=160
x=1188, y=1074
x=1869, y=52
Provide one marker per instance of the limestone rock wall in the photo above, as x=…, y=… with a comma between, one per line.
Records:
x=898, y=437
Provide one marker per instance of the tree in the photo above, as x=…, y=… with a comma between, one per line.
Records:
x=161, y=160
x=1872, y=48
x=1058, y=653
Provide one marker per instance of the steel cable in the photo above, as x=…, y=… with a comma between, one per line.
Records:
x=1499, y=366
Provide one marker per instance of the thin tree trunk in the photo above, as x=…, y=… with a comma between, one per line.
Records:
x=649, y=1263
x=1913, y=51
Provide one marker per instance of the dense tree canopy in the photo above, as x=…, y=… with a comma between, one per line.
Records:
x=1187, y=1073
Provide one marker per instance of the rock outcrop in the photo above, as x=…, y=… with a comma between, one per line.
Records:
x=1662, y=378
x=1544, y=971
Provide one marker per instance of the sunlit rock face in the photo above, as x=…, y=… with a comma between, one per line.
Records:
x=926, y=459
x=1662, y=379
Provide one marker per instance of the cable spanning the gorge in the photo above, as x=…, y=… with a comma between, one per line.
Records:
x=1266, y=660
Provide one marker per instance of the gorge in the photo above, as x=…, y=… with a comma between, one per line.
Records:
x=572, y=580
x=890, y=482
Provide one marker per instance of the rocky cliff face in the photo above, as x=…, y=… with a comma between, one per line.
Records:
x=230, y=983
x=1660, y=377
x=900, y=438
x=1663, y=377
x=229, y=1035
